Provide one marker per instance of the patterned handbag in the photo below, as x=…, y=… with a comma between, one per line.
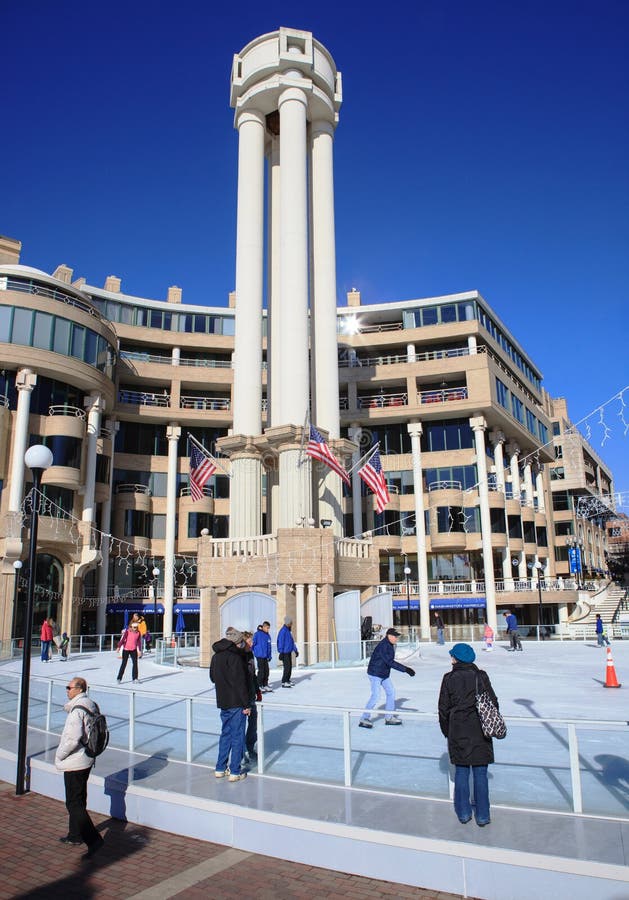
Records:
x=491, y=722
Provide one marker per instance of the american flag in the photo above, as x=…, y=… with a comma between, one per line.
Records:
x=373, y=476
x=318, y=449
x=201, y=470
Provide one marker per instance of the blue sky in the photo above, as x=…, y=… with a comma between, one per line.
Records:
x=481, y=146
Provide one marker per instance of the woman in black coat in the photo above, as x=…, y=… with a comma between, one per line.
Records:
x=467, y=745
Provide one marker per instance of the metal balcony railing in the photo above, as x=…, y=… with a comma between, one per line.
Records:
x=132, y=489
x=204, y=403
x=64, y=409
x=207, y=491
x=379, y=401
x=144, y=398
x=442, y=395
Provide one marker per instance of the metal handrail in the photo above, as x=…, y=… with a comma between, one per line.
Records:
x=64, y=409
x=208, y=491
x=35, y=287
x=4, y=401
x=442, y=395
x=375, y=401
x=220, y=403
x=143, y=398
x=133, y=489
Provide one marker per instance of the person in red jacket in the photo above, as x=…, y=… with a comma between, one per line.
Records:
x=46, y=636
x=131, y=646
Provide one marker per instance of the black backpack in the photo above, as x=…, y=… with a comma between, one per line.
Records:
x=96, y=731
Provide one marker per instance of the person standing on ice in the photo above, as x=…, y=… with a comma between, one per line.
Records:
x=379, y=671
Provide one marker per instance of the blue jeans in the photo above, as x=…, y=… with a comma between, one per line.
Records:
x=45, y=650
x=462, y=805
x=232, y=739
x=389, y=691
x=440, y=639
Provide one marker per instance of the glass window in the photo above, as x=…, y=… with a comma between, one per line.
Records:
x=502, y=393
x=5, y=323
x=515, y=527
x=42, y=333
x=185, y=322
x=429, y=315
x=141, y=316
x=113, y=311
x=497, y=518
x=529, y=532
x=200, y=324
x=22, y=321
x=78, y=340
x=158, y=484
x=556, y=428
x=62, y=336
x=518, y=407
x=229, y=325
x=197, y=522
x=126, y=314
x=448, y=313
x=156, y=318
x=102, y=468
x=158, y=530
x=542, y=536
x=90, y=355
x=66, y=451
x=531, y=422
x=467, y=311
x=543, y=433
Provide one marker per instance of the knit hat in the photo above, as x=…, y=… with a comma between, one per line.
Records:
x=232, y=635
x=288, y=620
x=463, y=653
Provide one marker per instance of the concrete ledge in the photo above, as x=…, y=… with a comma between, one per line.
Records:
x=331, y=827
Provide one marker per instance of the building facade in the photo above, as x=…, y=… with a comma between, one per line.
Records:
x=116, y=385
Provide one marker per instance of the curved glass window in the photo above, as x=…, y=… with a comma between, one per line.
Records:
x=31, y=328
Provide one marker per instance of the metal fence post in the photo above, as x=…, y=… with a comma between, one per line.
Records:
x=132, y=721
x=49, y=706
x=347, y=747
x=189, y=731
x=575, y=772
x=260, y=739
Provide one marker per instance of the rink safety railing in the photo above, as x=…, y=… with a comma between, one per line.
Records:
x=133, y=697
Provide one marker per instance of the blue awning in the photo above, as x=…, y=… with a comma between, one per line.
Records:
x=403, y=604
x=459, y=603
x=143, y=608
x=187, y=607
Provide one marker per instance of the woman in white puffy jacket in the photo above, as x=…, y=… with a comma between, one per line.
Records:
x=73, y=761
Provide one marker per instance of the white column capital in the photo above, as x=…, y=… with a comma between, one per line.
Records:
x=497, y=437
x=250, y=115
x=25, y=380
x=94, y=402
x=415, y=429
x=513, y=449
x=173, y=432
x=322, y=126
x=292, y=93
x=478, y=423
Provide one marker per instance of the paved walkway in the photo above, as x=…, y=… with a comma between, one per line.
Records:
x=138, y=863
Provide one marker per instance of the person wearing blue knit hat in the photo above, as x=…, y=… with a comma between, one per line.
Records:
x=468, y=748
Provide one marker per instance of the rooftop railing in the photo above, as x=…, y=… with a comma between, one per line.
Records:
x=28, y=286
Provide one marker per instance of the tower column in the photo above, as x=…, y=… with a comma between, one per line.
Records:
x=415, y=430
x=539, y=488
x=514, y=465
x=94, y=405
x=173, y=432
x=528, y=483
x=273, y=279
x=498, y=439
x=478, y=425
x=245, y=519
x=293, y=312
x=249, y=269
x=25, y=381
x=103, y=571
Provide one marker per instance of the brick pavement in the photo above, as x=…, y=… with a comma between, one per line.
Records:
x=145, y=864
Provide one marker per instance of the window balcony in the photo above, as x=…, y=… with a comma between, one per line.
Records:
x=207, y=490
x=205, y=403
x=144, y=398
x=64, y=409
x=443, y=395
x=379, y=401
x=133, y=489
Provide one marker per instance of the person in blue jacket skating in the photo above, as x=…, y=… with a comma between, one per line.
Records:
x=262, y=653
x=379, y=669
x=286, y=646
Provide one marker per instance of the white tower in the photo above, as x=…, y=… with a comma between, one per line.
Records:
x=286, y=92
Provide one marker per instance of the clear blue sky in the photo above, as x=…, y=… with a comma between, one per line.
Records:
x=482, y=145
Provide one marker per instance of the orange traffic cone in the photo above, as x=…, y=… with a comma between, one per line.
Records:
x=610, y=680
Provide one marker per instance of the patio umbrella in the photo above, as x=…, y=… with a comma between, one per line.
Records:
x=181, y=625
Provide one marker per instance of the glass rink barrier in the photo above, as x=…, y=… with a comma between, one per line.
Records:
x=555, y=764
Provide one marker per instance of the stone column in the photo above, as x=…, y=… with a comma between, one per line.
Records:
x=355, y=433
x=415, y=431
x=173, y=433
x=471, y=344
x=498, y=439
x=95, y=406
x=528, y=483
x=245, y=519
x=273, y=317
x=249, y=275
x=25, y=381
x=294, y=365
x=323, y=304
x=103, y=571
x=507, y=570
x=539, y=488
x=478, y=425
x=514, y=452
x=313, y=649
x=300, y=615
x=411, y=355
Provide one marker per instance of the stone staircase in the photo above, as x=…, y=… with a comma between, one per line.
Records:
x=606, y=606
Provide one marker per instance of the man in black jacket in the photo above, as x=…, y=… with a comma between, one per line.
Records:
x=228, y=671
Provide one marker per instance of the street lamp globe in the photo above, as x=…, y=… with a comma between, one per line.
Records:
x=38, y=457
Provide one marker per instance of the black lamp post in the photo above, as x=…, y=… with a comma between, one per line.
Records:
x=17, y=565
x=155, y=577
x=38, y=459
x=539, y=567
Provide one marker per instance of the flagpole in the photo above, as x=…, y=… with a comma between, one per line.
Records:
x=364, y=458
x=208, y=455
x=306, y=430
